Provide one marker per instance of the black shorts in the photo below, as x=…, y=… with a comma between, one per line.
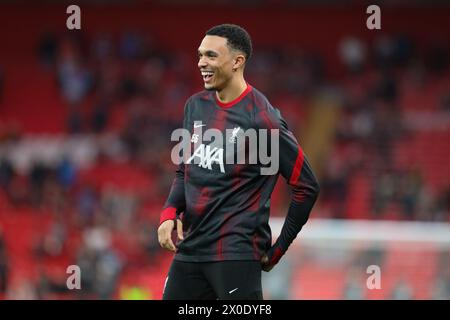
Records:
x=224, y=280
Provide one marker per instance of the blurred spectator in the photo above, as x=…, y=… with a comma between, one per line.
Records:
x=6, y=173
x=131, y=45
x=51, y=286
x=85, y=259
x=402, y=290
x=75, y=82
x=445, y=101
x=386, y=88
x=410, y=191
x=355, y=284
x=441, y=285
x=278, y=284
x=38, y=174
x=148, y=239
x=4, y=264
x=102, y=47
x=100, y=263
x=151, y=75
x=2, y=83
x=66, y=173
x=100, y=116
x=86, y=204
x=335, y=185
x=23, y=290
x=441, y=207
x=118, y=206
x=53, y=241
x=19, y=191
x=353, y=54
x=108, y=269
x=108, y=81
x=74, y=120
x=384, y=191
x=384, y=52
x=54, y=196
x=74, y=78
x=48, y=48
x=404, y=50
x=437, y=56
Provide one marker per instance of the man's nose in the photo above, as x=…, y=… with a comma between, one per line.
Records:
x=202, y=63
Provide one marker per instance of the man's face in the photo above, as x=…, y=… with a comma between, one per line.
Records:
x=215, y=61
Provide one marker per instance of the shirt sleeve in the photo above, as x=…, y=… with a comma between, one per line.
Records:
x=295, y=168
x=176, y=201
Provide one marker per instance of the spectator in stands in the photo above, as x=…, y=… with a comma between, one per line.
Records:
x=384, y=191
x=102, y=47
x=445, y=101
x=86, y=260
x=108, y=269
x=66, y=172
x=74, y=80
x=100, y=261
x=2, y=83
x=74, y=120
x=23, y=290
x=38, y=174
x=53, y=241
x=131, y=45
x=6, y=173
x=355, y=284
x=148, y=239
x=440, y=210
x=437, y=55
x=402, y=290
x=410, y=191
x=47, y=285
x=47, y=50
x=118, y=206
x=386, y=89
x=4, y=264
x=353, y=54
x=87, y=203
x=335, y=185
x=18, y=192
x=100, y=116
x=441, y=286
x=280, y=283
x=384, y=51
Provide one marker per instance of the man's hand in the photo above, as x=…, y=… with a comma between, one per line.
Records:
x=265, y=263
x=165, y=234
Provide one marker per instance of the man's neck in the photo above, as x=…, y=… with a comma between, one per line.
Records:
x=232, y=91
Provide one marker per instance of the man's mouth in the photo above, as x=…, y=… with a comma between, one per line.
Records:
x=207, y=75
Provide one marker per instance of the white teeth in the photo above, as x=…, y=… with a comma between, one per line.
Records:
x=206, y=73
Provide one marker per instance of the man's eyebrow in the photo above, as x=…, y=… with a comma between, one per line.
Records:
x=210, y=53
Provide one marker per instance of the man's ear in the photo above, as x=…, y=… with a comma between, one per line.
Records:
x=239, y=62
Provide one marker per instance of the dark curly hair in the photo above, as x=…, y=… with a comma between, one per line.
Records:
x=238, y=38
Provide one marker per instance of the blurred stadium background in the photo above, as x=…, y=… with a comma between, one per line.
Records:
x=86, y=117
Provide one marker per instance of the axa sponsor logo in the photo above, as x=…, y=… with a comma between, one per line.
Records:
x=206, y=156
x=214, y=148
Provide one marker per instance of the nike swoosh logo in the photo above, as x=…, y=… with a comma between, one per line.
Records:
x=199, y=125
x=230, y=292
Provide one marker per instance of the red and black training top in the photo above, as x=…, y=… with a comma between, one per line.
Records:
x=225, y=210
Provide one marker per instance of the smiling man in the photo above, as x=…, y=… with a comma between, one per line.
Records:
x=221, y=211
